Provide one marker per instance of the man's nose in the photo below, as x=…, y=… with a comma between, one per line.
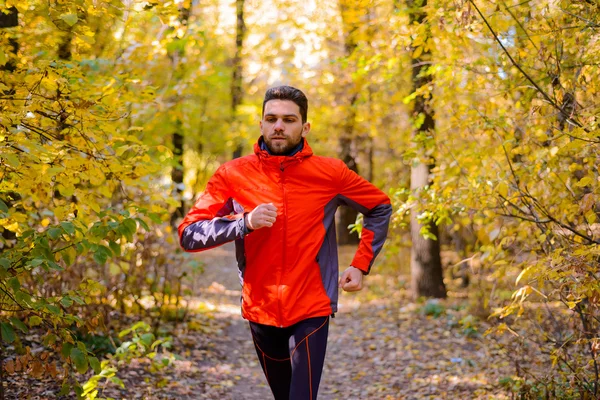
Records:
x=279, y=125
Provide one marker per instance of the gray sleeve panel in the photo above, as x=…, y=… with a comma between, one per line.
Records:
x=240, y=256
x=215, y=232
x=376, y=220
x=327, y=257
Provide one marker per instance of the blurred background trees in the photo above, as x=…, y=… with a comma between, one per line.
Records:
x=479, y=118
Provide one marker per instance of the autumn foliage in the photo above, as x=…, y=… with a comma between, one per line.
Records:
x=102, y=102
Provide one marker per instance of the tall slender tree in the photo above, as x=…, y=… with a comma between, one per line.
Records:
x=425, y=261
x=236, y=81
x=8, y=19
x=178, y=138
x=351, y=12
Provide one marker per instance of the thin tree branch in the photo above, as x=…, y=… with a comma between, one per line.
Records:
x=538, y=88
x=591, y=24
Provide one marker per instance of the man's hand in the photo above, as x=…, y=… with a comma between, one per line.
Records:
x=351, y=280
x=264, y=215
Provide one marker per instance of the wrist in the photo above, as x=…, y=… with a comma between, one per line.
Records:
x=361, y=271
x=247, y=221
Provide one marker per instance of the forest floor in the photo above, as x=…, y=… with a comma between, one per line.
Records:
x=381, y=346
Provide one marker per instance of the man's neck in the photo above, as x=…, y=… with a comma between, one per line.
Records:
x=290, y=153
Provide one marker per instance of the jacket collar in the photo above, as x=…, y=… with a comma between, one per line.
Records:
x=264, y=155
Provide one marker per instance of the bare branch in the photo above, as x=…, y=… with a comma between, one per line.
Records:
x=537, y=87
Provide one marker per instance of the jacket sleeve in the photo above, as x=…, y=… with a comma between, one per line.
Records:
x=361, y=195
x=214, y=220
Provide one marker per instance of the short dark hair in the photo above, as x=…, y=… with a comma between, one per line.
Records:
x=288, y=93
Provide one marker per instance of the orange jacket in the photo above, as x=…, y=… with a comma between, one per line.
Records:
x=289, y=272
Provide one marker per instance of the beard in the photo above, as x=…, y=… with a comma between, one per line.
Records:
x=281, y=145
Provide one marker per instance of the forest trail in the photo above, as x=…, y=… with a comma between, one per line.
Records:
x=380, y=346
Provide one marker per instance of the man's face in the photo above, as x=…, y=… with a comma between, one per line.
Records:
x=281, y=126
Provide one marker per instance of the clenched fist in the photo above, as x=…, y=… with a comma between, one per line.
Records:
x=264, y=215
x=351, y=280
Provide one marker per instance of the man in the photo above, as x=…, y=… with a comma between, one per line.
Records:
x=278, y=205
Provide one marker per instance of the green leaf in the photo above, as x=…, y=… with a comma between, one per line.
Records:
x=101, y=255
x=117, y=381
x=156, y=218
x=53, y=309
x=65, y=389
x=68, y=227
x=143, y=224
x=17, y=323
x=24, y=298
x=14, y=284
x=34, y=320
x=95, y=364
x=55, y=266
x=54, y=233
x=65, y=351
x=128, y=228
x=3, y=207
x=66, y=301
x=36, y=262
x=70, y=19
x=8, y=334
x=147, y=339
x=68, y=255
x=5, y=263
x=80, y=360
x=50, y=339
x=116, y=249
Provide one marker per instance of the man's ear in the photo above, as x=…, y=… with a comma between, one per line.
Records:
x=305, y=129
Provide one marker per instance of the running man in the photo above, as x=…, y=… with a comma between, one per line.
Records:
x=278, y=204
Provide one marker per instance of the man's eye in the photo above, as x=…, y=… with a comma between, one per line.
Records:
x=290, y=120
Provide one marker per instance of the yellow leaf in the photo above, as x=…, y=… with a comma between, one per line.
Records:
x=13, y=227
x=585, y=181
x=571, y=304
x=502, y=189
x=418, y=51
x=591, y=217
x=70, y=19
x=12, y=160
x=523, y=274
x=587, y=202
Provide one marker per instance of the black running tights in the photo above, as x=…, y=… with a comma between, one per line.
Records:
x=292, y=358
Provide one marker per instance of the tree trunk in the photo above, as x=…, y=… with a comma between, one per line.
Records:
x=347, y=143
x=178, y=137
x=346, y=215
x=425, y=261
x=8, y=20
x=236, y=81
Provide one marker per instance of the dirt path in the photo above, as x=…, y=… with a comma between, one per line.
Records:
x=380, y=346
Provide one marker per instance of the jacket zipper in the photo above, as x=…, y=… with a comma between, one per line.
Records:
x=279, y=287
